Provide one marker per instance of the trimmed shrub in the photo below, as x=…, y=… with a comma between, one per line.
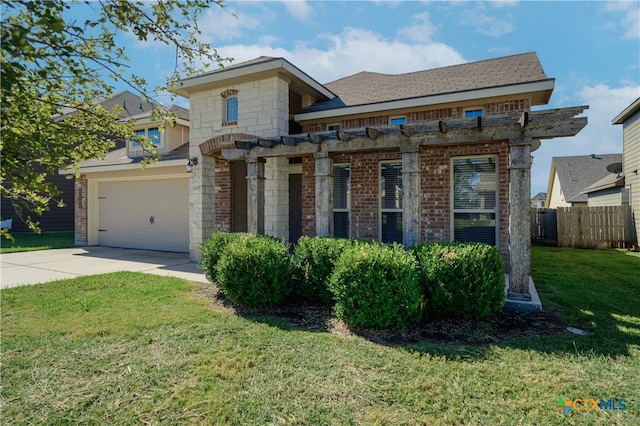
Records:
x=212, y=249
x=376, y=286
x=255, y=271
x=315, y=260
x=461, y=280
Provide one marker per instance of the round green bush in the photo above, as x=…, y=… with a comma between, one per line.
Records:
x=255, y=271
x=315, y=260
x=212, y=249
x=461, y=280
x=376, y=286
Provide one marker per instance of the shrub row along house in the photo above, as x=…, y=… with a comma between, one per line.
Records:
x=435, y=155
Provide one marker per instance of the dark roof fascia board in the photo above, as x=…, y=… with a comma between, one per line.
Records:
x=255, y=68
x=627, y=113
x=443, y=98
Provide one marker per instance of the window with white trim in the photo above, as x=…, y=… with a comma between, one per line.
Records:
x=473, y=112
x=341, y=200
x=394, y=121
x=231, y=109
x=391, y=202
x=335, y=126
x=474, y=192
x=153, y=133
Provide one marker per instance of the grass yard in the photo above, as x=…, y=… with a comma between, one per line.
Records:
x=30, y=241
x=130, y=348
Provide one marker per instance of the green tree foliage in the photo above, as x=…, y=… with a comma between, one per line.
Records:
x=55, y=69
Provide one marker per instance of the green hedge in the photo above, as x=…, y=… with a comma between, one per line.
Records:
x=255, y=271
x=376, y=286
x=212, y=249
x=461, y=280
x=315, y=261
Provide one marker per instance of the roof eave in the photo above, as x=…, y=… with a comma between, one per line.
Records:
x=543, y=87
x=627, y=112
x=190, y=85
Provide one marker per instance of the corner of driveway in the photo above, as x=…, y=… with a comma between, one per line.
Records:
x=49, y=265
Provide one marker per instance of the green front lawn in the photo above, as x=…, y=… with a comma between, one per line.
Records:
x=130, y=348
x=30, y=241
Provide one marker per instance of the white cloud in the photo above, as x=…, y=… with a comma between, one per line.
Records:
x=299, y=9
x=352, y=51
x=598, y=137
x=219, y=24
x=421, y=30
x=630, y=19
x=486, y=24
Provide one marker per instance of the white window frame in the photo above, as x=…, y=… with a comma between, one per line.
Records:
x=336, y=126
x=382, y=210
x=138, y=147
x=495, y=210
x=343, y=210
x=473, y=109
x=397, y=117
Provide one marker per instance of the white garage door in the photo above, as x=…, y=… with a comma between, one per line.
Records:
x=144, y=214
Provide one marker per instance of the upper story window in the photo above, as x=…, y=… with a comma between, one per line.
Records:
x=336, y=126
x=394, y=121
x=153, y=133
x=229, y=107
x=473, y=112
x=232, y=109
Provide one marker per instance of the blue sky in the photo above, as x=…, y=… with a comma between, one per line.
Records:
x=591, y=48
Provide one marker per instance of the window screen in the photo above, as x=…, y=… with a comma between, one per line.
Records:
x=474, y=199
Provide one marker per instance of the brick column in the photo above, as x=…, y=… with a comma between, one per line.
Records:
x=519, y=227
x=201, y=204
x=411, y=194
x=255, y=195
x=324, y=194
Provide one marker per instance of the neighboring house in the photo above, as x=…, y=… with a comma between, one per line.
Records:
x=120, y=204
x=630, y=120
x=57, y=219
x=435, y=155
x=570, y=176
x=538, y=200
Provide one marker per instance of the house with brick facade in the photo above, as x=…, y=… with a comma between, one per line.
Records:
x=434, y=155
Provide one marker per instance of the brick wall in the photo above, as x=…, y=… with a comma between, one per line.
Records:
x=364, y=190
x=493, y=108
x=308, y=196
x=223, y=191
x=435, y=188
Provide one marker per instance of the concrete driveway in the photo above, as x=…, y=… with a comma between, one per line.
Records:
x=50, y=265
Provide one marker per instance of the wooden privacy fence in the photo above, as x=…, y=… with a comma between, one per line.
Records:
x=584, y=227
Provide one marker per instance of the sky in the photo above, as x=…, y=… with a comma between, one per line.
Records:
x=591, y=48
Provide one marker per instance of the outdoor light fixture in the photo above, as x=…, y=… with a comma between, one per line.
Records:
x=192, y=162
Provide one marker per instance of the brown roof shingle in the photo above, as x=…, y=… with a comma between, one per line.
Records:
x=370, y=87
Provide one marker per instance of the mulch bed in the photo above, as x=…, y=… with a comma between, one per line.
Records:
x=498, y=327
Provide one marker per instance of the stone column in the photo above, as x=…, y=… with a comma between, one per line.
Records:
x=519, y=227
x=324, y=194
x=202, y=210
x=255, y=195
x=276, y=199
x=411, y=194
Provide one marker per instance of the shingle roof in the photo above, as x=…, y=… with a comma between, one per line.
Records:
x=576, y=173
x=118, y=156
x=370, y=87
